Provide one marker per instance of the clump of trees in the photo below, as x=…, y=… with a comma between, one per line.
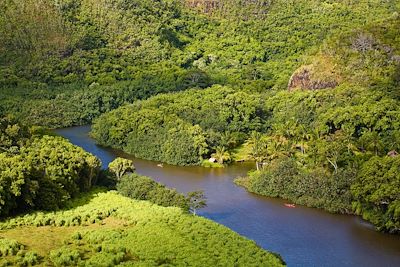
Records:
x=322, y=150
x=197, y=200
x=144, y=188
x=377, y=192
x=86, y=58
x=120, y=166
x=133, y=185
x=41, y=172
x=182, y=128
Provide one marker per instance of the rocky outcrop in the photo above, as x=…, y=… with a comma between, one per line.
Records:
x=306, y=78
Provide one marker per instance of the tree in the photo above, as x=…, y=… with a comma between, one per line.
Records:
x=371, y=141
x=121, y=166
x=197, y=200
x=221, y=155
x=258, y=147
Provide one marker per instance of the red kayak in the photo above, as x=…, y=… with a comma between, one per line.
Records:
x=290, y=205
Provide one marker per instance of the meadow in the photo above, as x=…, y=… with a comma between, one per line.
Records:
x=107, y=229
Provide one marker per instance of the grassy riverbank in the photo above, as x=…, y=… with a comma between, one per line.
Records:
x=104, y=229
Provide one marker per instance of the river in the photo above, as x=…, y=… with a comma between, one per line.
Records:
x=303, y=236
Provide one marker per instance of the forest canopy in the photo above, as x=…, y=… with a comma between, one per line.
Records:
x=40, y=171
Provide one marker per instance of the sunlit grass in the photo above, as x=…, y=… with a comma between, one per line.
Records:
x=109, y=229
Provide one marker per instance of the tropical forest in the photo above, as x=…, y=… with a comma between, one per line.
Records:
x=199, y=132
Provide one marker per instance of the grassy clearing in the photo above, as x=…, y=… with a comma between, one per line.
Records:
x=108, y=229
x=44, y=239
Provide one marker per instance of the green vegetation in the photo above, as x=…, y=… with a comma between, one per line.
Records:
x=308, y=89
x=182, y=128
x=40, y=172
x=110, y=229
x=377, y=190
x=317, y=148
x=96, y=228
x=311, y=142
x=120, y=166
x=197, y=200
x=65, y=62
x=144, y=188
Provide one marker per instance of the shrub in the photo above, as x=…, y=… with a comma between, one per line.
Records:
x=315, y=188
x=65, y=256
x=144, y=188
x=9, y=247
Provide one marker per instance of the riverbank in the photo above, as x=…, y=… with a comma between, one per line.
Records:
x=109, y=229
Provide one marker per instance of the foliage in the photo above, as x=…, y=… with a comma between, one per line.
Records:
x=67, y=62
x=150, y=235
x=43, y=172
x=64, y=257
x=144, y=188
x=221, y=155
x=377, y=193
x=9, y=247
x=328, y=135
x=315, y=188
x=121, y=166
x=13, y=253
x=78, y=104
x=197, y=200
x=180, y=128
x=64, y=63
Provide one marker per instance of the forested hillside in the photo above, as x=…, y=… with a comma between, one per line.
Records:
x=65, y=62
x=308, y=89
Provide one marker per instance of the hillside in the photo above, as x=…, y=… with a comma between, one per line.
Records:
x=66, y=62
x=107, y=229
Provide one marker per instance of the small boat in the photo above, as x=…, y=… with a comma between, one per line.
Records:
x=160, y=165
x=290, y=205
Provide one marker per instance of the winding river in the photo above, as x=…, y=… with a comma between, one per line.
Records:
x=303, y=236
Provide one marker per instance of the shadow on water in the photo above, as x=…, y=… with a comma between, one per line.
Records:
x=303, y=236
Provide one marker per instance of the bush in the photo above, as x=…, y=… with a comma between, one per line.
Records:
x=144, y=188
x=9, y=247
x=181, y=128
x=65, y=257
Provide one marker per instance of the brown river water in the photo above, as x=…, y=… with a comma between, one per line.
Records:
x=303, y=236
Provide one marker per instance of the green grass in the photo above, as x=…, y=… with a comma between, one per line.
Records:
x=108, y=229
x=207, y=164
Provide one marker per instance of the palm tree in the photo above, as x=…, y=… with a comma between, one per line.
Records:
x=221, y=155
x=258, y=148
x=277, y=146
